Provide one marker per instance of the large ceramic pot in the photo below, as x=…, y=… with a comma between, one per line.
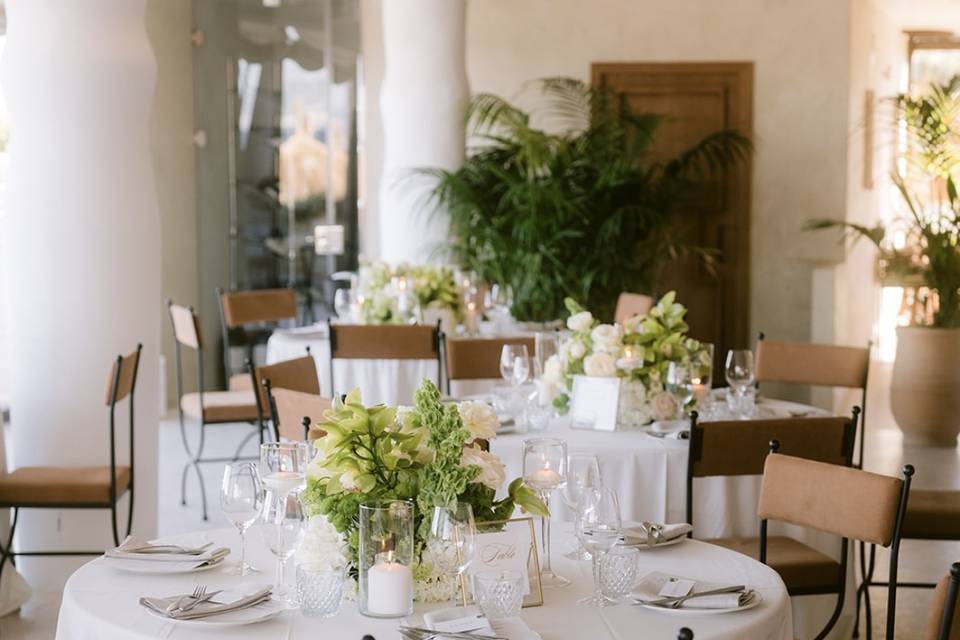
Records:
x=925, y=389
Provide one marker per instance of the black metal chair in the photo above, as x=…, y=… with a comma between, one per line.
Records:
x=78, y=487
x=943, y=623
x=297, y=376
x=840, y=500
x=685, y=634
x=247, y=318
x=206, y=407
x=740, y=448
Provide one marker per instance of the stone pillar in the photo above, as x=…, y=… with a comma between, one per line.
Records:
x=422, y=101
x=83, y=263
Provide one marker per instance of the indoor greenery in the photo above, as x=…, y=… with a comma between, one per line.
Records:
x=567, y=199
x=930, y=253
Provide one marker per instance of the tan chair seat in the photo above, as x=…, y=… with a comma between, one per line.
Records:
x=800, y=566
x=240, y=382
x=932, y=515
x=221, y=406
x=60, y=485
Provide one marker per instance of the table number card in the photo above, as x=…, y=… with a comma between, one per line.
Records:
x=594, y=403
x=509, y=545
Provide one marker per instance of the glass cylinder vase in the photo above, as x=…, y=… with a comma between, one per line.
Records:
x=386, y=558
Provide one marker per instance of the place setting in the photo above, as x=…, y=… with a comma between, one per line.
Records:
x=139, y=556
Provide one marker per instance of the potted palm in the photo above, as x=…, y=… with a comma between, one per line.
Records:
x=568, y=200
x=925, y=387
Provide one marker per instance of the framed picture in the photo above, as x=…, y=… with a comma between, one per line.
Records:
x=594, y=403
x=509, y=545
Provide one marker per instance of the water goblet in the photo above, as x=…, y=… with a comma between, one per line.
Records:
x=599, y=528
x=679, y=385
x=452, y=542
x=739, y=369
x=583, y=474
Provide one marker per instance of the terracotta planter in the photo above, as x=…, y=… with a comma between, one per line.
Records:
x=925, y=389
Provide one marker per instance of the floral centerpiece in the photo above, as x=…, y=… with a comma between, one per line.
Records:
x=640, y=351
x=429, y=453
x=433, y=287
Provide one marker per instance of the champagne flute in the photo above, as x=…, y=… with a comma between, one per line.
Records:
x=679, y=385
x=283, y=526
x=583, y=475
x=545, y=469
x=598, y=529
x=452, y=542
x=241, y=498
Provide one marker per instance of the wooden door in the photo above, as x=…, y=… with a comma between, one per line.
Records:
x=698, y=99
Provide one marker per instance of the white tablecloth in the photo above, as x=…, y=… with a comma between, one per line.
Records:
x=100, y=603
x=649, y=475
x=390, y=382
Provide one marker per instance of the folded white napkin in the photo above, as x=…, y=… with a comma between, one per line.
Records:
x=514, y=628
x=222, y=603
x=136, y=549
x=647, y=591
x=639, y=533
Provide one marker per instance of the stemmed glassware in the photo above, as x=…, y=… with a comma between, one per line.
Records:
x=740, y=377
x=283, y=466
x=545, y=469
x=241, y=498
x=515, y=364
x=598, y=528
x=283, y=526
x=342, y=304
x=679, y=386
x=452, y=542
x=583, y=475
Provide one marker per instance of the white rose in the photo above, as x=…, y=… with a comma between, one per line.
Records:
x=580, y=321
x=324, y=546
x=577, y=350
x=600, y=364
x=492, y=471
x=553, y=370
x=663, y=406
x=479, y=419
x=606, y=337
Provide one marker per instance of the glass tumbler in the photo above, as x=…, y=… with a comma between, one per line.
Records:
x=618, y=572
x=319, y=590
x=499, y=593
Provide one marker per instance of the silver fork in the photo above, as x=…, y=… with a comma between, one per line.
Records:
x=197, y=593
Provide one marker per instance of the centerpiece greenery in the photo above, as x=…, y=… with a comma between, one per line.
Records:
x=587, y=211
x=640, y=351
x=428, y=453
x=927, y=252
x=434, y=287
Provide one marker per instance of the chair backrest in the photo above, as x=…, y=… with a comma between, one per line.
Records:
x=631, y=304
x=186, y=326
x=123, y=376
x=384, y=342
x=685, y=634
x=943, y=622
x=814, y=364
x=292, y=407
x=260, y=305
x=836, y=499
x=298, y=374
x=478, y=358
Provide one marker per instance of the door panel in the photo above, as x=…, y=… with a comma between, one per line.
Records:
x=698, y=99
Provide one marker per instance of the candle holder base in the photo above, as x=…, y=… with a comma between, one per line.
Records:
x=550, y=580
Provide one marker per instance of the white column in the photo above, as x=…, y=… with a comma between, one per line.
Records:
x=422, y=102
x=83, y=262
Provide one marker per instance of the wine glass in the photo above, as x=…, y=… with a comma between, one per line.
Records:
x=283, y=466
x=283, y=526
x=452, y=541
x=679, y=385
x=740, y=368
x=342, y=300
x=598, y=528
x=545, y=469
x=241, y=498
x=515, y=364
x=500, y=298
x=583, y=474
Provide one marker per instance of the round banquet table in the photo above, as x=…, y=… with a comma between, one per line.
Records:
x=100, y=603
x=649, y=475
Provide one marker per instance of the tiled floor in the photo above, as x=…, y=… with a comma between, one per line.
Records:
x=920, y=561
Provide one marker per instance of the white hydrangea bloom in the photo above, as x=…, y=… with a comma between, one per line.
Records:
x=479, y=418
x=580, y=321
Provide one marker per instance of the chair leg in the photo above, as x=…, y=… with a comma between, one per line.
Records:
x=113, y=523
x=203, y=491
x=868, y=580
x=6, y=551
x=194, y=462
x=859, y=593
x=130, y=512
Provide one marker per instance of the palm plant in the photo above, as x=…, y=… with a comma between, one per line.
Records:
x=931, y=253
x=586, y=211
